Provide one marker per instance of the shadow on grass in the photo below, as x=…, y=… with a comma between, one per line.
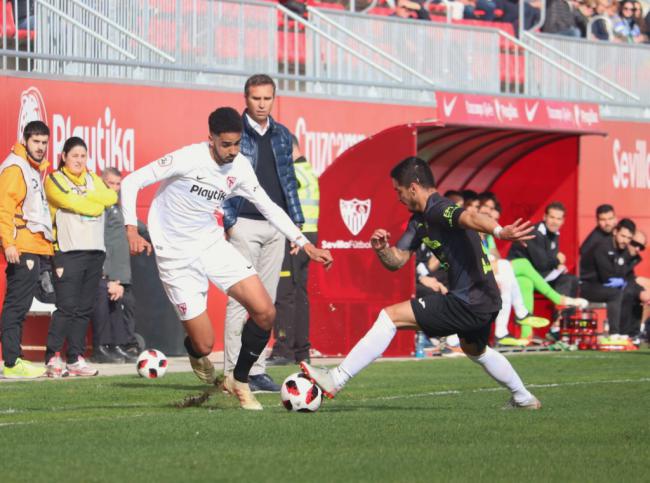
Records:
x=141, y=385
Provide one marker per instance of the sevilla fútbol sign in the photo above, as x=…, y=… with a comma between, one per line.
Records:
x=354, y=213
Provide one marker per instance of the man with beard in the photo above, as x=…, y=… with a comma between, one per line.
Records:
x=26, y=233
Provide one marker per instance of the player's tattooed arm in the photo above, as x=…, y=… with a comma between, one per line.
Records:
x=393, y=258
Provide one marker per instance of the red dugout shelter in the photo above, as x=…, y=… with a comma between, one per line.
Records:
x=526, y=151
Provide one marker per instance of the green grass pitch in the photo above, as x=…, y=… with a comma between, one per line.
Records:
x=397, y=421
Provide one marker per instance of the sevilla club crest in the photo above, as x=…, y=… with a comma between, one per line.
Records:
x=355, y=213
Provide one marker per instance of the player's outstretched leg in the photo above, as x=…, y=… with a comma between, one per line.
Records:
x=252, y=295
x=198, y=343
x=500, y=369
x=369, y=348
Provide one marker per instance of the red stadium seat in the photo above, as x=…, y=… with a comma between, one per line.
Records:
x=384, y=11
x=7, y=16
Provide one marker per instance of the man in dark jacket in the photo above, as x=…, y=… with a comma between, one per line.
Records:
x=269, y=146
x=602, y=278
x=113, y=321
x=560, y=19
x=544, y=251
x=605, y=223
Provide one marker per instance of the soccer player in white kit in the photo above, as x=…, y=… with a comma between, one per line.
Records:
x=191, y=249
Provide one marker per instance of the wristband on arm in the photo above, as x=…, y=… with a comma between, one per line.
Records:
x=497, y=231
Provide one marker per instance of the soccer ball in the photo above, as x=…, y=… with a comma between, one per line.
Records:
x=152, y=364
x=299, y=394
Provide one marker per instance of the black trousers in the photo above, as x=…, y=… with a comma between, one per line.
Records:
x=291, y=327
x=113, y=321
x=613, y=297
x=76, y=276
x=631, y=310
x=22, y=281
x=566, y=284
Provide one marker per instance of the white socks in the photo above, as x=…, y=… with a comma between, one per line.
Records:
x=369, y=348
x=510, y=298
x=502, y=371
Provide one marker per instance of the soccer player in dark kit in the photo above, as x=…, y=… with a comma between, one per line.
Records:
x=470, y=306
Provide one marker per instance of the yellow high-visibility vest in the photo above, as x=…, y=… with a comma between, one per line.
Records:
x=309, y=195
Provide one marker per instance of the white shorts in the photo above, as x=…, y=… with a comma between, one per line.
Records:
x=186, y=282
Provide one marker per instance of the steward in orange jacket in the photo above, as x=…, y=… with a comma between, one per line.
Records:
x=26, y=235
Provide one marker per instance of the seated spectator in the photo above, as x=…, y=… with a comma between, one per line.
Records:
x=113, y=327
x=540, y=266
x=455, y=196
x=626, y=28
x=77, y=200
x=544, y=254
x=511, y=297
x=299, y=7
x=583, y=11
x=510, y=15
x=602, y=278
x=605, y=223
x=24, y=14
x=486, y=7
x=636, y=298
x=411, y=9
x=640, y=19
x=560, y=19
x=470, y=200
x=602, y=28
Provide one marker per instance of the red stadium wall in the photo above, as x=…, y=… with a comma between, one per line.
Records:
x=616, y=170
x=127, y=126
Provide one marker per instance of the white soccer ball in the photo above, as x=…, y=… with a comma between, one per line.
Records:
x=299, y=394
x=152, y=364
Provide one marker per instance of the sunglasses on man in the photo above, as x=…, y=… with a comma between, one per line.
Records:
x=637, y=245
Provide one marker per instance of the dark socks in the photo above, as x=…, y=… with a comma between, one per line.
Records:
x=190, y=349
x=253, y=342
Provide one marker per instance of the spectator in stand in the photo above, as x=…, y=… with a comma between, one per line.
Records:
x=470, y=200
x=640, y=19
x=455, y=196
x=605, y=223
x=583, y=11
x=113, y=322
x=267, y=144
x=291, y=326
x=298, y=7
x=77, y=201
x=415, y=9
x=479, y=10
x=626, y=28
x=510, y=10
x=26, y=234
x=24, y=14
x=560, y=19
x=602, y=278
x=602, y=28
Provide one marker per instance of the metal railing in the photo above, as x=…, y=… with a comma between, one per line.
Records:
x=620, y=70
x=449, y=56
x=332, y=53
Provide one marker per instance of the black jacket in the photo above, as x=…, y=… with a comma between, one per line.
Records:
x=605, y=261
x=594, y=238
x=541, y=251
x=117, y=265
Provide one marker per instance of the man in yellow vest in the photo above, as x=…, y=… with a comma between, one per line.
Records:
x=291, y=328
x=26, y=235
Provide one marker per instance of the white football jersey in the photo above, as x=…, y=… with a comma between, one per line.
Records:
x=183, y=215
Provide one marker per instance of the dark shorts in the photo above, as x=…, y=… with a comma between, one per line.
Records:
x=442, y=315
